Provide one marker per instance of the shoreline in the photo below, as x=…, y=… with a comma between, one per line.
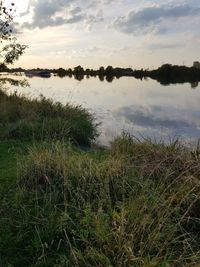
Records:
x=136, y=203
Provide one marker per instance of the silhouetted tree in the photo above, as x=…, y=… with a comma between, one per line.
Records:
x=93, y=73
x=87, y=72
x=61, y=72
x=79, y=77
x=109, y=71
x=78, y=70
x=109, y=78
x=101, y=78
x=69, y=72
x=11, y=50
x=101, y=71
x=169, y=74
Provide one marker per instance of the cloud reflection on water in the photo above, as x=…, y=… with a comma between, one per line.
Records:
x=142, y=108
x=170, y=122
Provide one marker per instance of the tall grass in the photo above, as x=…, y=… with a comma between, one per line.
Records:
x=137, y=204
x=39, y=119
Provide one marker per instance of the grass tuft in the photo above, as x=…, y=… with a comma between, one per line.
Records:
x=42, y=119
x=136, y=204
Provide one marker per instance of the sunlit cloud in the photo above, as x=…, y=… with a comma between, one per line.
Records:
x=140, y=33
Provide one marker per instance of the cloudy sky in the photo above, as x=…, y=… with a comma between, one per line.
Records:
x=93, y=33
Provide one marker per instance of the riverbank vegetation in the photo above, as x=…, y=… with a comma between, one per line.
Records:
x=40, y=119
x=134, y=204
x=166, y=74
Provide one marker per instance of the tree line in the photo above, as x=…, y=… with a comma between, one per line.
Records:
x=166, y=74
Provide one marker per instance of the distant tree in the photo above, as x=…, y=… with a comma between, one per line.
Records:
x=87, y=72
x=101, y=71
x=92, y=72
x=10, y=49
x=61, y=72
x=78, y=70
x=109, y=71
x=109, y=78
x=69, y=71
x=101, y=78
x=79, y=77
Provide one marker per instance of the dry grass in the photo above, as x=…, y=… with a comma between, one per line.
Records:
x=137, y=204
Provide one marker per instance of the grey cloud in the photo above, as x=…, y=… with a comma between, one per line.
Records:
x=54, y=13
x=106, y=2
x=74, y=19
x=75, y=10
x=148, y=19
x=94, y=19
x=94, y=4
x=47, y=8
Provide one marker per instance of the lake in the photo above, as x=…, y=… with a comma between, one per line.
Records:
x=144, y=108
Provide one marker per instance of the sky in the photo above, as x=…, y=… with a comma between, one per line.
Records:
x=94, y=33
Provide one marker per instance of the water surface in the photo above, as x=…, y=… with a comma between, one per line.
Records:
x=142, y=108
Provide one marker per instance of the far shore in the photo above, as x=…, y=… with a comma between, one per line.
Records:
x=166, y=74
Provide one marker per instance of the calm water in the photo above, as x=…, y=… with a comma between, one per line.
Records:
x=142, y=108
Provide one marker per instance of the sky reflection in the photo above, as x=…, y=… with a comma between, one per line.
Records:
x=143, y=108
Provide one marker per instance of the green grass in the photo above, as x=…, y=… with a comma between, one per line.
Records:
x=10, y=153
x=41, y=119
x=8, y=165
x=136, y=204
x=7, y=160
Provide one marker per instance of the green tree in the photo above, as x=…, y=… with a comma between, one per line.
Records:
x=10, y=49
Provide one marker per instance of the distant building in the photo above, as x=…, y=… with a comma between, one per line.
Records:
x=196, y=64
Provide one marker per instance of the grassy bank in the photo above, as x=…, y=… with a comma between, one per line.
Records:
x=134, y=204
x=41, y=119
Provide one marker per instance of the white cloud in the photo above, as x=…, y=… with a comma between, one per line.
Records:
x=79, y=29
